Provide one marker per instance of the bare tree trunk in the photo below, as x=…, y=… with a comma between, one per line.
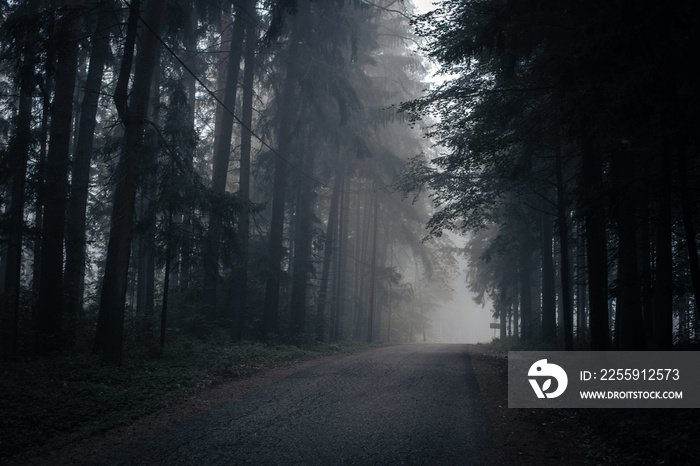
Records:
x=689, y=227
x=362, y=263
x=50, y=302
x=222, y=153
x=302, y=248
x=644, y=255
x=168, y=261
x=183, y=256
x=372, y=269
x=110, y=322
x=341, y=274
x=503, y=322
x=328, y=248
x=563, y=224
x=77, y=207
x=146, y=216
x=19, y=156
x=663, y=284
x=357, y=269
x=46, y=91
x=549, y=317
x=146, y=253
x=241, y=285
x=597, y=253
x=391, y=290
x=284, y=137
x=525, y=278
x=630, y=331
x=226, y=35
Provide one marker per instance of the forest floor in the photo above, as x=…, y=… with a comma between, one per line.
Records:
x=523, y=436
x=46, y=403
x=570, y=437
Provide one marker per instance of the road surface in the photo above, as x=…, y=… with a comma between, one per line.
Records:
x=409, y=404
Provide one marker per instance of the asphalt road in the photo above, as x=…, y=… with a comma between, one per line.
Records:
x=410, y=404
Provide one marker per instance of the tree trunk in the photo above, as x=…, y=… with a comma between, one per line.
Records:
x=689, y=227
x=357, y=269
x=146, y=253
x=284, y=137
x=644, y=256
x=50, y=301
x=166, y=280
x=391, y=290
x=328, y=248
x=630, y=331
x=241, y=285
x=563, y=224
x=222, y=152
x=110, y=322
x=183, y=255
x=503, y=322
x=146, y=216
x=372, y=269
x=525, y=278
x=361, y=277
x=302, y=247
x=663, y=284
x=340, y=274
x=549, y=317
x=597, y=253
x=77, y=207
x=18, y=152
x=46, y=91
x=226, y=34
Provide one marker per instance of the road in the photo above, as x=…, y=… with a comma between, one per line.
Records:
x=409, y=404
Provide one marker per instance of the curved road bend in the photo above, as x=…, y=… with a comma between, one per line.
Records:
x=410, y=404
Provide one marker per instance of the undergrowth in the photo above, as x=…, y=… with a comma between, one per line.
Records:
x=516, y=344
x=642, y=436
x=49, y=402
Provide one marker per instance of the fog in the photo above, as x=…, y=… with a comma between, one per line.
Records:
x=461, y=319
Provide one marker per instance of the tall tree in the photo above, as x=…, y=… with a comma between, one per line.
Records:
x=329, y=246
x=222, y=154
x=241, y=283
x=80, y=179
x=110, y=324
x=303, y=237
x=565, y=270
x=629, y=323
x=287, y=111
x=49, y=306
x=549, y=327
x=23, y=21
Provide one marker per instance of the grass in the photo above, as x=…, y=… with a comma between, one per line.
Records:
x=47, y=403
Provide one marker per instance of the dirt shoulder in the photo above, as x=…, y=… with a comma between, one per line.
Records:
x=525, y=436
x=118, y=438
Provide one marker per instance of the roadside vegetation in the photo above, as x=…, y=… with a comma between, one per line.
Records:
x=50, y=402
x=619, y=436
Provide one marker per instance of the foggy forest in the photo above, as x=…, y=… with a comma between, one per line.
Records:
x=320, y=173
